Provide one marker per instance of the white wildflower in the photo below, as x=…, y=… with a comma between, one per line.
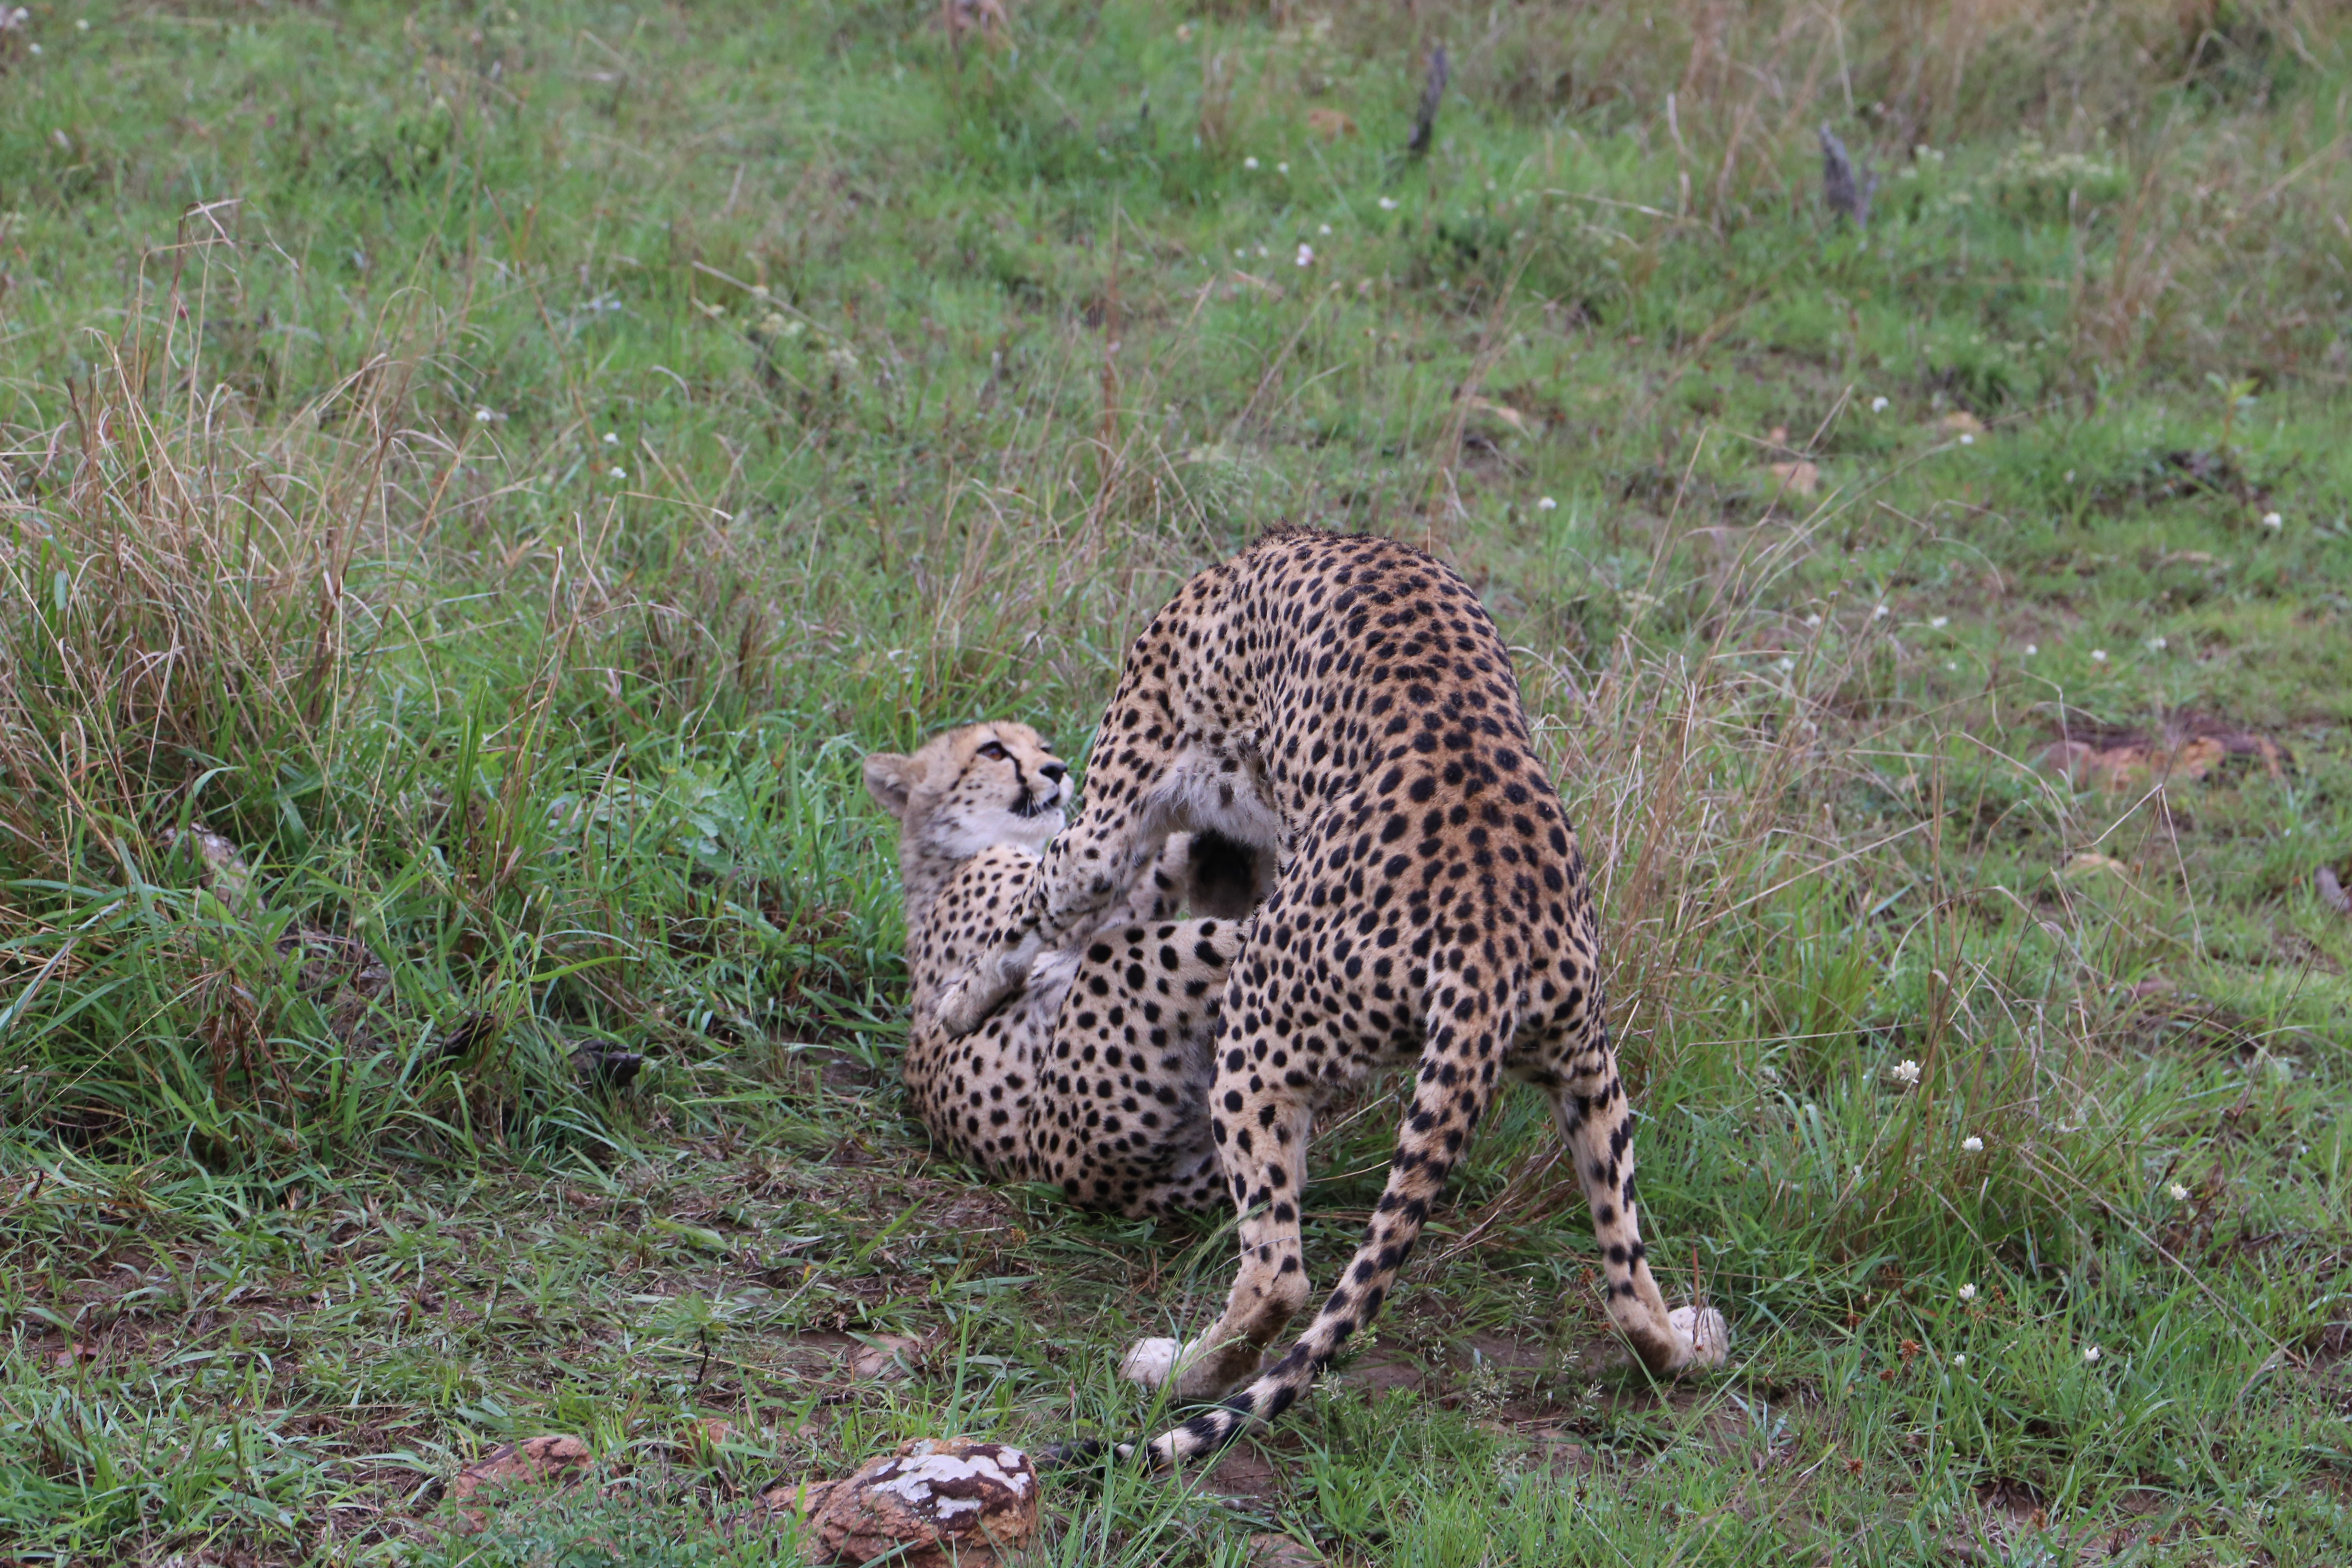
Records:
x=81, y=25
x=612, y=437
x=1249, y=163
x=616, y=472
x=1306, y=254
x=1905, y=1072
x=2176, y=1193
x=2158, y=644
x=1972, y=1144
x=483, y=417
x=1813, y=620
x=1388, y=204
x=1880, y=613
x=1785, y=664
x=1546, y=504
x=1878, y=406
x=2032, y=648
x=1940, y=622
x=1962, y=1359
x=1967, y=440
x=1282, y=168
x=1324, y=228
x=2098, y=656
x=2273, y=520
x=2090, y=1354
x=1968, y=1292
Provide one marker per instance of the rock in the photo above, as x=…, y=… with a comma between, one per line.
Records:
x=607, y=1066
x=958, y=1502
x=886, y=1358
x=549, y=1458
x=223, y=868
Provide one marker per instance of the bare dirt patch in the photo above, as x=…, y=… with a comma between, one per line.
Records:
x=2188, y=747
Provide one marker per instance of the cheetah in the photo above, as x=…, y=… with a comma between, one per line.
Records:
x=1095, y=1079
x=1345, y=704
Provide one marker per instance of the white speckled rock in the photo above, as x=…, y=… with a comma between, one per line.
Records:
x=958, y=1501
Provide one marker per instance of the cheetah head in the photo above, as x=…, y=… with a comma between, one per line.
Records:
x=971, y=788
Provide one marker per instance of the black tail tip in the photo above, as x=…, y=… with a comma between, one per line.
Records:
x=1086, y=1453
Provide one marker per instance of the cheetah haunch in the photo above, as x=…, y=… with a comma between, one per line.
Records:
x=1096, y=1077
x=1345, y=704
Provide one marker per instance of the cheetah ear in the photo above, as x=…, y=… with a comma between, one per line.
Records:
x=890, y=779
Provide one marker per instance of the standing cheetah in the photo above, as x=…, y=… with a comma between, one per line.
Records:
x=1095, y=1079
x=1345, y=704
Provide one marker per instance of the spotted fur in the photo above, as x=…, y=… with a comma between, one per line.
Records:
x=1345, y=704
x=1096, y=1078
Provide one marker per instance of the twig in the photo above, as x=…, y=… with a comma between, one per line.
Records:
x=1425, y=121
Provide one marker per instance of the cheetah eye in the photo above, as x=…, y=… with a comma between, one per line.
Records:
x=994, y=751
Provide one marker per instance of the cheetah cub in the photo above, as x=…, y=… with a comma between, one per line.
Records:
x=1096, y=1078
x=1346, y=705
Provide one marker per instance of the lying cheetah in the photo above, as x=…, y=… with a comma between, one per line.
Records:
x=1095, y=1079
x=1345, y=704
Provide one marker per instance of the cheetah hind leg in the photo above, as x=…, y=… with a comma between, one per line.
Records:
x=1597, y=1122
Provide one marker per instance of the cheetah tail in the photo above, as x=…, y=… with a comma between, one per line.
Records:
x=1428, y=1145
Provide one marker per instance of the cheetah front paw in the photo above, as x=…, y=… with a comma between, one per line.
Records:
x=1151, y=1362
x=1706, y=1333
x=973, y=995
x=966, y=1003
x=960, y=1008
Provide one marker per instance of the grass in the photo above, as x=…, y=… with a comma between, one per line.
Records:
x=498, y=467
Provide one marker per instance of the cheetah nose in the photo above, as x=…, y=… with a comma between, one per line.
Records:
x=1055, y=771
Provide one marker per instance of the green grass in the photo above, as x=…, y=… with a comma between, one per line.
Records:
x=928, y=372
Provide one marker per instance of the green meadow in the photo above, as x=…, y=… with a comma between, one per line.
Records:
x=475, y=481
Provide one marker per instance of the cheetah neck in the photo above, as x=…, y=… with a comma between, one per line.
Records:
x=923, y=870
